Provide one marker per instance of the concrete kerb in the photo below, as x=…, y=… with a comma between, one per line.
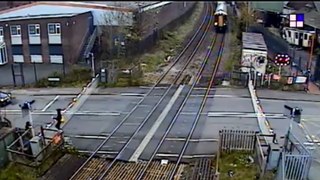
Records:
x=263, y=123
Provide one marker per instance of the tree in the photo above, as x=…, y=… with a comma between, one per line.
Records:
x=120, y=38
x=121, y=32
x=247, y=16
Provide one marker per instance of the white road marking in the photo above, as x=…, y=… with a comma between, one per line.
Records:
x=192, y=140
x=99, y=152
x=132, y=94
x=155, y=126
x=186, y=156
x=240, y=114
x=17, y=112
x=50, y=103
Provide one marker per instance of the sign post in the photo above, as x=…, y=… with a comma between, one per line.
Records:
x=282, y=60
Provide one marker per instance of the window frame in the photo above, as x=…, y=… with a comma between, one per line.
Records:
x=1, y=31
x=18, y=30
x=37, y=29
x=56, y=27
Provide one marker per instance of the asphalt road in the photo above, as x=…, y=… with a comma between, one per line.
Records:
x=43, y=108
x=104, y=110
x=100, y=114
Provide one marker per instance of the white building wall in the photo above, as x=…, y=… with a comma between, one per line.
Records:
x=18, y=58
x=56, y=59
x=34, y=39
x=16, y=40
x=36, y=58
x=54, y=38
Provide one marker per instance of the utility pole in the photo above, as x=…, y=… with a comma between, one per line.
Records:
x=35, y=72
x=93, y=71
x=247, y=20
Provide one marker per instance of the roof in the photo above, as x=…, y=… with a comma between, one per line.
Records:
x=41, y=11
x=253, y=41
x=311, y=18
x=298, y=4
x=102, y=11
x=50, y=11
x=127, y=4
x=272, y=6
x=317, y=5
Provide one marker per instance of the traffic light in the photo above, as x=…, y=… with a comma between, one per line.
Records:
x=282, y=60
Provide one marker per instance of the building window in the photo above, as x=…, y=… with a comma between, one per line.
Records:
x=35, y=49
x=1, y=31
x=34, y=29
x=55, y=49
x=15, y=30
x=17, y=50
x=54, y=28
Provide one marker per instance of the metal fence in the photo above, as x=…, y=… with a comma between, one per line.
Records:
x=20, y=150
x=231, y=140
x=243, y=140
x=295, y=160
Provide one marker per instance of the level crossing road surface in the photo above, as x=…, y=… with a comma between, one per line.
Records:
x=87, y=131
x=48, y=100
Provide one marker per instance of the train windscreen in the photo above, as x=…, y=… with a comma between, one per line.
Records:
x=220, y=21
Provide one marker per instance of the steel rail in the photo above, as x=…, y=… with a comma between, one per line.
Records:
x=204, y=100
x=178, y=113
x=151, y=90
x=180, y=108
x=110, y=165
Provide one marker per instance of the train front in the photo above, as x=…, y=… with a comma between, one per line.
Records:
x=220, y=17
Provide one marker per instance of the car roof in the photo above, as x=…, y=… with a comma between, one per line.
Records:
x=3, y=94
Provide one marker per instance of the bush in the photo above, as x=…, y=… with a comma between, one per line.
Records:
x=77, y=77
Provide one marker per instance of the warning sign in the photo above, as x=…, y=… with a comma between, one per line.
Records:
x=290, y=80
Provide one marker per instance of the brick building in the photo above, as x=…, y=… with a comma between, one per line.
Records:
x=64, y=32
x=10, y=4
x=45, y=39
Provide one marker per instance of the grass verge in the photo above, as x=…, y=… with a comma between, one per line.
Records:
x=235, y=46
x=76, y=78
x=168, y=46
x=153, y=62
x=15, y=171
x=238, y=163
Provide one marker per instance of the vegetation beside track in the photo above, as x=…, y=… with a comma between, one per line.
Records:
x=77, y=77
x=237, y=163
x=152, y=64
x=170, y=45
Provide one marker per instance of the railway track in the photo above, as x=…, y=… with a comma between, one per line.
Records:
x=182, y=147
x=139, y=117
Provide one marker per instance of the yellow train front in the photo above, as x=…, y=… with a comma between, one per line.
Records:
x=220, y=17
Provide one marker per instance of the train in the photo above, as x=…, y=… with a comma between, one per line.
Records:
x=299, y=37
x=220, y=17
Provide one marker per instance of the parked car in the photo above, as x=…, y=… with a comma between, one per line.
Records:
x=5, y=98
